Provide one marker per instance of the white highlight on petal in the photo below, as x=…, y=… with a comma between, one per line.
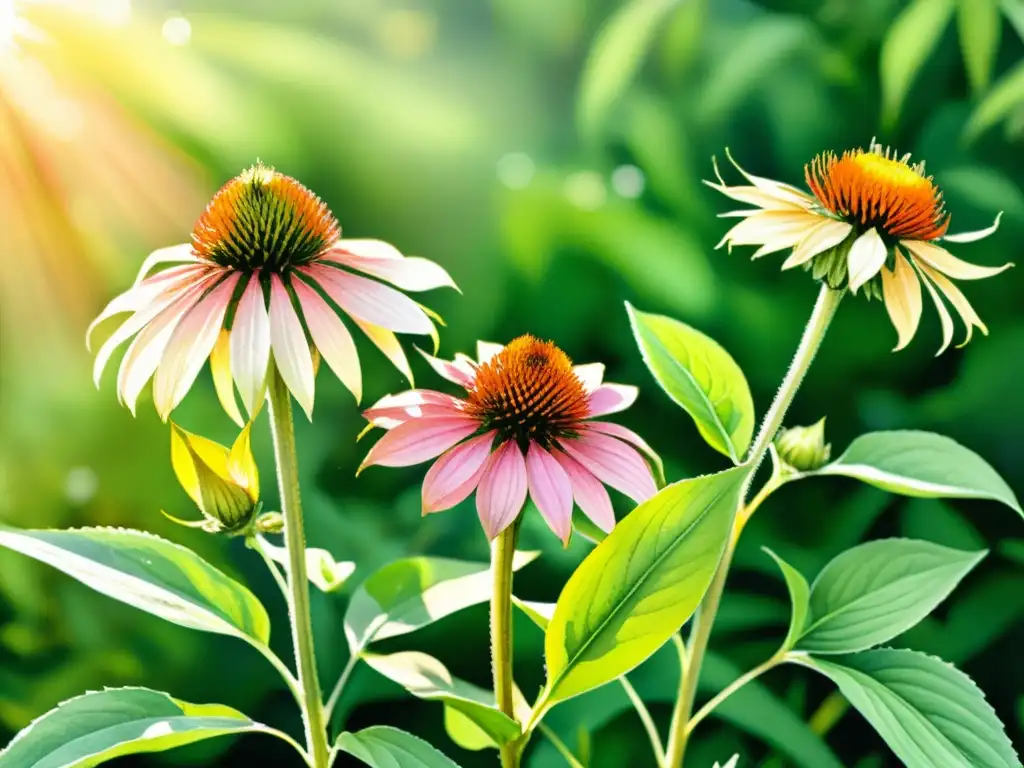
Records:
x=384, y=261
x=866, y=258
x=173, y=253
x=485, y=350
x=590, y=375
x=289, y=345
x=250, y=345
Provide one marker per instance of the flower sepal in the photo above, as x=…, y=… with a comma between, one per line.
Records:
x=802, y=449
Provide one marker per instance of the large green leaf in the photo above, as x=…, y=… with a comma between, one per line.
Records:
x=641, y=584
x=979, y=23
x=427, y=678
x=999, y=103
x=929, y=713
x=618, y=51
x=149, y=573
x=380, y=746
x=799, y=597
x=907, y=45
x=408, y=594
x=701, y=377
x=878, y=590
x=91, y=729
x=922, y=464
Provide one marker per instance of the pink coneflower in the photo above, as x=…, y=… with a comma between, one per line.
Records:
x=523, y=427
x=266, y=276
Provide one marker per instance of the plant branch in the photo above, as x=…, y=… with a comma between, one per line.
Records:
x=730, y=689
x=339, y=687
x=503, y=549
x=646, y=719
x=558, y=744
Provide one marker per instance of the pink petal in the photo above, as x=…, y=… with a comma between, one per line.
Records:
x=611, y=398
x=591, y=375
x=377, y=258
x=291, y=350
x=174, y=253
x=413, y=404
x=502, y=491
x=590, y=494
x=331, y=337
x=371, y=301
x=417, y=441
x=624, y=433
x=250, y=345
x=613, y=463
x=190, y=345
x=459, y=372
x=456, y=474
x=550, y=490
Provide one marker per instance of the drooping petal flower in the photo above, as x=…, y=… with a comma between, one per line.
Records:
x=611, y=398
x=250, y=345
x=502, y=491
x=550, y=490
x=589, y=493
x=289, y=346
x=456, y=473
x=413, y=442
x=331, y=338
x=613, y=463
x=902, y=293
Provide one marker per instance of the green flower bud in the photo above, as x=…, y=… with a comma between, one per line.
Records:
x=803, y=449
x=224, y=483
x=270, y=522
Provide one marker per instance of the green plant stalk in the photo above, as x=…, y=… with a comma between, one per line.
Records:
x=814, y=333
x=503, y=549
x=730, y=689
x=298, y=583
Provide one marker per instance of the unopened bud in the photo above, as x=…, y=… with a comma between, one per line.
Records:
x=270, y=522
x=803, y=449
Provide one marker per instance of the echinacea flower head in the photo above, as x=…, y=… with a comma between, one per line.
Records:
x=525, y=427
x=873, y=223
x=266, y=280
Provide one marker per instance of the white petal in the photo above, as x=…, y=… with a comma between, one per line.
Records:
x=175, y=253
x=978, y=234
x=826, y=235
x=901, y=291
x=291, y=350
x=590, y=374
x=948, y=264
x=485, y=350
x=867, y=256
x=770, y=227
x=940, y=307
x=331, y=337
x=250, y=345
x=958, y=300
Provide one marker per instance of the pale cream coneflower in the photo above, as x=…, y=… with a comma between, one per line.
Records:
x=265, y=280
x=875, y=222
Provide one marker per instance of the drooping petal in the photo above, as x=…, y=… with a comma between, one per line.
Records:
x=417, y=441
x=614, y=463
x=901, y=291
x=828, y=234
x=392, y=410
x=589, y=493
x=459, y=371
x=250, y=345
x=550, y=490
x=958, y=300
x=502, y=490
x=220, y=367
x=174, y=253
x=456, y=474
x=948, y=264
x=776, y=189
x=590, y=374
x=485, y=350
x=866, y=258
x=384, y=261
x=190, y=344
x=940, y=307
x=370, y=301
x=978, y=234
x=387, y=343
x=291, y=350
x=781, y=228
x=631, y=437
x=611, y=398
x=331, y=337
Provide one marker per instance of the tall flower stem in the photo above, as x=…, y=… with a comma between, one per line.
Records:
x=298, y=582
x=824, y=310
x=503, y=549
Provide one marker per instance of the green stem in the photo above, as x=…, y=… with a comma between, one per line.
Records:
x=503, y=549
x=298, y=583
x=646, y=719
x=730, y=689
x=824, y=310
x=558, y=744
x=339, y=687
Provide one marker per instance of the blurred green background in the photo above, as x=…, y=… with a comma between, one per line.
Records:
x=549, y=154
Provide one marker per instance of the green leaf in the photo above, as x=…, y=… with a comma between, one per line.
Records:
x=928, y=712
x=907, y=45
x=922, y=464
x=324, y=572
x=799, y=596
x=878, y=590
x=699, y=376
x=92, y=729
x=980, y=24
x=408, y=594
x=381, y=746
x=464, y=732
x=427, y=678
x=151, y=574
x=539, y=613
x=1004, y=97
x=618, y=52
x=641, y=584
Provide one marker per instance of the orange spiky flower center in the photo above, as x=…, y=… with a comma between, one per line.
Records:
x=262, y=219
x=529, y=391
x=877, y=189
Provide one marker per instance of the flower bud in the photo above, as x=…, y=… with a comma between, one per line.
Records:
x=223, y=483
x=803, y=449
x=270, y=522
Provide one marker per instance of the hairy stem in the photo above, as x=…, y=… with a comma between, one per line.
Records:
x=824, y=310
x=298, y=583
x=503, y=549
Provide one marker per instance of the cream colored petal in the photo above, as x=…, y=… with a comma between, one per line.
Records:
x=902, y=293
x=867, y=255
x=948, y=264
x=777, y=189
x=959, y=302
x=768, y=227
x=754, y=196
x=485, y=350
x=172, y=254
x=220, y=367
x=944, y=317
x=978, y=234
x=827, y=234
